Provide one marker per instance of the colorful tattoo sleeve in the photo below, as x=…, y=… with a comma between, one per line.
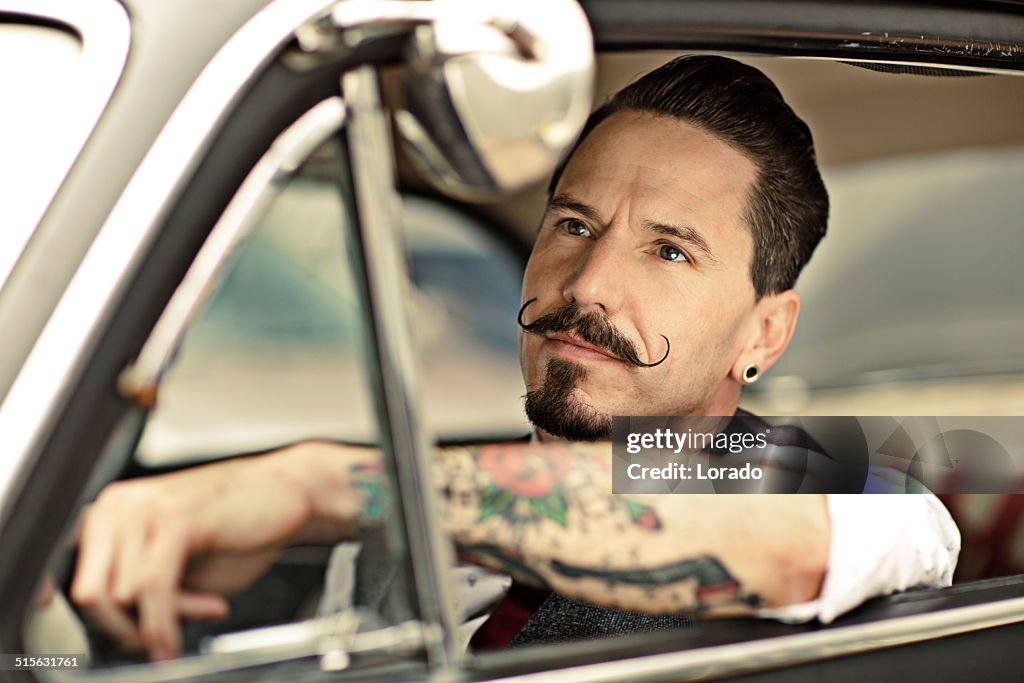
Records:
x=526, y=508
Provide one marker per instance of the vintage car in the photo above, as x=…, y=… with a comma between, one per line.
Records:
x=232, y=226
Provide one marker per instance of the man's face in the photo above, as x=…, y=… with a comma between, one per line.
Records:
x=645, y=238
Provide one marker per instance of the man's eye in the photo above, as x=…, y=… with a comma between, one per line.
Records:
x=670, y=253
x=575, y=227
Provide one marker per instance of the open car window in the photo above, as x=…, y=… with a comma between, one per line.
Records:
x=263, y=363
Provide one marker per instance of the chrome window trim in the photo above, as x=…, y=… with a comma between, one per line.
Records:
x=40, y=388
x=980, y=70
x=140, y=381
x=772, y=653
x=379, y=242
x=104, y=29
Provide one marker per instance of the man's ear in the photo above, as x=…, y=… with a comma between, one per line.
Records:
x=774, y=320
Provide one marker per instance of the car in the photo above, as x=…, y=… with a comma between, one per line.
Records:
x=232, y=226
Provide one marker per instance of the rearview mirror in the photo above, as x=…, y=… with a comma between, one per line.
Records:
x=495, y=93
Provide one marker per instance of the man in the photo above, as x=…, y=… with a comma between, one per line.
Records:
x=660, y=283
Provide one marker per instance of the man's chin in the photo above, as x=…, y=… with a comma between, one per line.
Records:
x=559, y=408
x=582, y=427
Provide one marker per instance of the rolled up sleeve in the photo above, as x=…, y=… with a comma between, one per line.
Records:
x=879, y=544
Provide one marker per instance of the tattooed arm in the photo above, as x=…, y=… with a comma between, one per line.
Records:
x=156, y=549
x=546, y=515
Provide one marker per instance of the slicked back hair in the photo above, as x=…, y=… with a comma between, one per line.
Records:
x=787, y=210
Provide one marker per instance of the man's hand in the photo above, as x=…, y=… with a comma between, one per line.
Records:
x=172, y=546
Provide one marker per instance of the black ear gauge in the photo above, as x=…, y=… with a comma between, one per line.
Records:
x=751, y=374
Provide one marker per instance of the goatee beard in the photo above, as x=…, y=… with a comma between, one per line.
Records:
x=552, y=408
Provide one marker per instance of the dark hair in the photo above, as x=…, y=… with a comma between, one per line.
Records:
x=787, y=211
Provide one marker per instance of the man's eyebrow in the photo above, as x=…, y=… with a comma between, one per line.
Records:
x=684, y=233
x=566, y=202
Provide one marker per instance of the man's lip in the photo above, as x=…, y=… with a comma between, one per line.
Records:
x=576, y=341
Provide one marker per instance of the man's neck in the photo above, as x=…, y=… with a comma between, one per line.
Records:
x=539, y=435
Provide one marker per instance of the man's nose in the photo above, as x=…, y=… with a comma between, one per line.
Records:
x=596, y=279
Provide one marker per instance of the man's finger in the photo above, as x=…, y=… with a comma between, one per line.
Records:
x=97, y=536
x=159, y=577
x=96, y=549
x=129, y=557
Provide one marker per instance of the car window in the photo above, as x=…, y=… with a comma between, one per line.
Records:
x=911, y=304
x=939, y=234
x=937, y=326
x=466, y=289
x=263, y=364
x=274, y=357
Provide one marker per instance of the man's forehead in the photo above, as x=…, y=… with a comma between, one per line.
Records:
x=661, y=148
x=602, y=184
x=671, y=166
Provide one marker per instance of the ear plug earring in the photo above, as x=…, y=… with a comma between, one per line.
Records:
x=751, y=374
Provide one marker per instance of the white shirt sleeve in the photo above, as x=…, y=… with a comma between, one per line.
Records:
x=879, y=544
